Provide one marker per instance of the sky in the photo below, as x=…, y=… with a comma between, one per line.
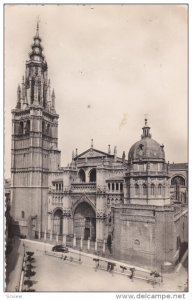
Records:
x=109, y=65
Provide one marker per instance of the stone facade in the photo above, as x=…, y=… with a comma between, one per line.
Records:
x=137, y=205
x=34, y=142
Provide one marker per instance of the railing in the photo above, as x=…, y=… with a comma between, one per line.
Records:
x=82, y=186
x=148, y=172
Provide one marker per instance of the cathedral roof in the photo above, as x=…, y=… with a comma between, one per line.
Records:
x=146, y=148
x=91, y=152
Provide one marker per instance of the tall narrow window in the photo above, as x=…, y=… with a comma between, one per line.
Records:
x=117, y=186
x=22, y=214
x=144, y=189
x=32, y=90
x=21, y=128
x=121, y=186
x=136, y=189
x=113, y=187
x=92, y=175
x=159, y=189
x=82, y=175
x=152, y=189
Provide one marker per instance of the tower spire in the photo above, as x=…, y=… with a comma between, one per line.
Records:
x=115, y=153
x=109, y=149
x=37, y=30
x=53, y=98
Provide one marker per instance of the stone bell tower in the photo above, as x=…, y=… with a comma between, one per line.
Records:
x=35, y=153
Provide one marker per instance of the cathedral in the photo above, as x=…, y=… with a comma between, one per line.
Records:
x=136, y=204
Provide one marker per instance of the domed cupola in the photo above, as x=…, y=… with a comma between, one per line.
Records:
x=146, y=149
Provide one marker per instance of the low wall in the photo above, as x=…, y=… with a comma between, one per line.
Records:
x=15, y=263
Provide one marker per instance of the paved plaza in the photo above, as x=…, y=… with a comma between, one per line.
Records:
x=56, y=274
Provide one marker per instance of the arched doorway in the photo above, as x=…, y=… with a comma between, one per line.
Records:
x=58, y=221
x=85, y=221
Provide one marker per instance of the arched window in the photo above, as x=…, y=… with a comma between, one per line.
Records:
x=178, y=180
x=22, y=214
x=121, y=186
x=144, y=189
x=92, y=175
x=82, y=175
x=117, y=186
x=136, y=189
x=152, y=189
x=137, y=242
x=159, y=189
x=109, y=186
x=113, y=187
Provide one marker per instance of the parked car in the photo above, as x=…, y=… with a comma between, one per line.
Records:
x=22, y=236
x=60, y=248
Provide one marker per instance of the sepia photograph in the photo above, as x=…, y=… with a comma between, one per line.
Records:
x=96, y=148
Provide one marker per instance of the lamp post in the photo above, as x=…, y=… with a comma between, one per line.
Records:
x=80, y=254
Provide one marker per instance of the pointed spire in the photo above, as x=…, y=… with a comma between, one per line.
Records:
x=73, y=155
x=91, y=143
x=109, y=149
x=18, y=93
x=115, y=153
x=53, y=98
x=123, y=157
x=23, y=88
x=18, y=97
x=37, y=30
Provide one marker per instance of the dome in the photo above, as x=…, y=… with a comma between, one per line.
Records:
x=147, y=148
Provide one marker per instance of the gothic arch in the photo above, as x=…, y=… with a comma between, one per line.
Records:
x=85, y=199
x=84, y=221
